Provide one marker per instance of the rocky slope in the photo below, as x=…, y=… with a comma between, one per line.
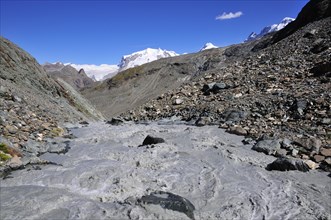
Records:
x=279, y=92
x=77, y=79
x=33, y=106
x=134, y=87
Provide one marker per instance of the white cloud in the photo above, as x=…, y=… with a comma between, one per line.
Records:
x=229, y=15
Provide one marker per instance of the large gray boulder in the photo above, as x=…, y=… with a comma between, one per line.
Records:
x=267, y=146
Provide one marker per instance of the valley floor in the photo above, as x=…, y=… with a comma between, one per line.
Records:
x=105, y=173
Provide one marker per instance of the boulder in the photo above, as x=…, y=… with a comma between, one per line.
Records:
x=267, y=146
x=326, y=164
x=237, y=130
x=178, y=101
x=318, y=158
x=152, y=140
x=170, y=201
x=285, y=164
x=232, y=115
x=115, y=121
x=310, y=144
x=326, y=152
x=321, y=69
x=312, y=165
x=202, y=121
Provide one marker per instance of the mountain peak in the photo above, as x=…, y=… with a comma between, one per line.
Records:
x=269, y=29
x=144, y=56
x=208, y=46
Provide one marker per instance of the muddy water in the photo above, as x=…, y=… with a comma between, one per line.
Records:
x=105, y=173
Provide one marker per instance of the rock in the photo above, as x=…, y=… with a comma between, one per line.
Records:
x=318, y=158
x=178, y=101
x=207, y=87
x=58, y=147
x=294, y=152
x=12, y=129
x=115, y=121
x=218, y=86
x=34, y=147
x=83, y=123
x=46, y=126
x=298, y=108
x=15, y=163
x=3, y=91
x=285, y=164
x=287, y=144
x=326, y=121
x=231, y=116
x=321, y=69
x=326, y=164
x=319, y=46
x=247, y=141
x=202, y=121
x=326, y=152
x=310, y=34
x=280, y=153
x=16, y=98
x=152, y=140
x=310, y=144
x=237, y=130
x=311, y=164
x=169, y=201
x=267, y=146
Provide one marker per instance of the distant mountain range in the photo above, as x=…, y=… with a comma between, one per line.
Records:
x=106, y=71
x=76, y=78
x=269, y=29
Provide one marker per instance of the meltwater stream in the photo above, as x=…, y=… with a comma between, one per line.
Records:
x=105, y=174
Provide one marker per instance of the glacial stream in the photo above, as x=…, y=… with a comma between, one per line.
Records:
x=105, y=174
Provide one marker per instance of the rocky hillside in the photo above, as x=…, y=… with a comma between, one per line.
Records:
x=134, y=87
x=77, y=79
x=281, y=91
x=33, y=106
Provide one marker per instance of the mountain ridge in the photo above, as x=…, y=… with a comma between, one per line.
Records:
x=270, y=29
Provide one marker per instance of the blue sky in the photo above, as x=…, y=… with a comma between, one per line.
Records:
x=97, y=32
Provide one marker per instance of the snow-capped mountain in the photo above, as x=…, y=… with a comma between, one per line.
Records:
x=105, y=71
x=270, y=29
x=208, y=46
x=97, y=72
x=144, y=56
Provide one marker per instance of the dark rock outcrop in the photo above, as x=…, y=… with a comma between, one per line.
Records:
x=169, y=201
x=115, y=121
x=152, y=140
x=286, y=164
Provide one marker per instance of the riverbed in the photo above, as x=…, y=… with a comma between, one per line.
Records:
x=106, y=172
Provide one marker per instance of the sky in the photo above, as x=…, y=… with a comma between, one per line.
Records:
x=102, y=31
